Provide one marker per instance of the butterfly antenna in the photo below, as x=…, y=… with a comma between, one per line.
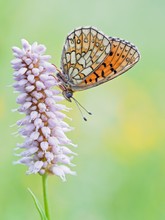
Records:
x=79, y=105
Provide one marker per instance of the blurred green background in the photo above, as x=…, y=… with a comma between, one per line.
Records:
x=121, y=149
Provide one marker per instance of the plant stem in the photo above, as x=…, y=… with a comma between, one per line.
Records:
x=44, y=181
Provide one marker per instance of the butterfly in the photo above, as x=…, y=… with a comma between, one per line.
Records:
x=90, y=58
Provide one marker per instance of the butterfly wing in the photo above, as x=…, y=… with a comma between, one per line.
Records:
x=123, y=56
x=85, y=48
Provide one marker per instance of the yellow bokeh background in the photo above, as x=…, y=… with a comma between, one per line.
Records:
x=121, y=148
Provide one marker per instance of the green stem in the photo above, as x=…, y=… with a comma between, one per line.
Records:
x=44, y=181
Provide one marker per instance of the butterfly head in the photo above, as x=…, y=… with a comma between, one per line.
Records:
x=64, y=86
x=68, y=94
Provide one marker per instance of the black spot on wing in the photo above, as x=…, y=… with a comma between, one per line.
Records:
x=104, y=64
x=102, y=74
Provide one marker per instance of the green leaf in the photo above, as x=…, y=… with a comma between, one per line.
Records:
x=38, y=206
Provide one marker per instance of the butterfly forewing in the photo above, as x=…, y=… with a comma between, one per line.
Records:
x=84, y=50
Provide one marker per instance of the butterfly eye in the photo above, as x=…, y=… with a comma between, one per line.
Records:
x=67, y=94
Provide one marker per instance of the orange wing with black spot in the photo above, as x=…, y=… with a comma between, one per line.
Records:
x=122, y=56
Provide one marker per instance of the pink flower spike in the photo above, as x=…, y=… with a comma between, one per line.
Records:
x=46, y=146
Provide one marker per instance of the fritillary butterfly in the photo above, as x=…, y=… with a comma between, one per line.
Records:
x=90, y=58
